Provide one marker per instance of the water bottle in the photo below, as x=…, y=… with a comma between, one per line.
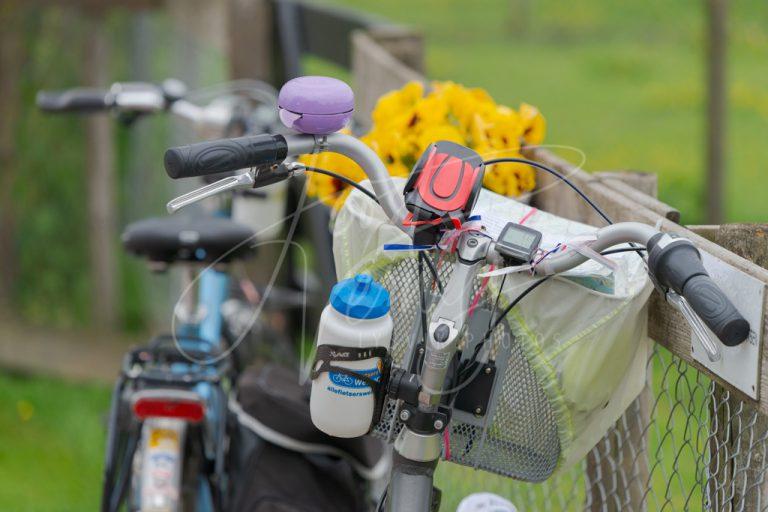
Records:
x=357, y=316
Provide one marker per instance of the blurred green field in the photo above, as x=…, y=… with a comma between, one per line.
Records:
x=53, y=434
x=52, y=444
x=621, y=81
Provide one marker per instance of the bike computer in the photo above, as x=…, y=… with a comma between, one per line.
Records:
x=518, y=244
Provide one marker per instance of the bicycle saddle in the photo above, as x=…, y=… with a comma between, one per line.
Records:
x=189, y=239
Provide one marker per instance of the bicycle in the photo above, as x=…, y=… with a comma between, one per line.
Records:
x=422, y=392
x=169, y=411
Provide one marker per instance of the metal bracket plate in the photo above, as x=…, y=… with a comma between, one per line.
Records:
x=739, y=366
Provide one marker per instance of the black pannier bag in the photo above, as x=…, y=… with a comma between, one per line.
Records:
x=282, y=463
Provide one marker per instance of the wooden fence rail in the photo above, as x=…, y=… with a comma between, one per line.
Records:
x=387, y=57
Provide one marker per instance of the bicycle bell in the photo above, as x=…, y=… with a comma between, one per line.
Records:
x=315, y=105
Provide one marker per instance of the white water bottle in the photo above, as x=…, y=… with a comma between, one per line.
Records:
x=356, y=317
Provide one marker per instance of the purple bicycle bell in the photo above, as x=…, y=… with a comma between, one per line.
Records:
x=317, y=105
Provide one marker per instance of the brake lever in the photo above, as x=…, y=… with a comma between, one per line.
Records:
x=711, y=346
x=253, y=178
x=244, y=180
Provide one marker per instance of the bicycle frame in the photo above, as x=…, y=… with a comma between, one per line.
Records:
x=204, y=321
x=213, y=292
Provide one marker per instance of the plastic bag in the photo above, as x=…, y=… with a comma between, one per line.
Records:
x=584, y=333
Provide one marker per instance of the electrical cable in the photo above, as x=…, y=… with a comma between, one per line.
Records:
x=343, y=179
x=540, y=281
x=554, y=173
x=382, y=500
x=432, y=270
x=496, y=302
x=512, y=304
x=564, y=179
x=624, y=249
x=422, y=304
x=532, y=287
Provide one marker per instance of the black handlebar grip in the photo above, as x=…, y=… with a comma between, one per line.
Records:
x=74, y=100
x=716, y=310
x=224, y=155
x=676, y=264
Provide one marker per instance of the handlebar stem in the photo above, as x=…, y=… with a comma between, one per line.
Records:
x=450, y=316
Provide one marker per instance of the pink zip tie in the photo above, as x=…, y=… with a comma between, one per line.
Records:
x=528, y=215
x=450, y=243
x=447, y=442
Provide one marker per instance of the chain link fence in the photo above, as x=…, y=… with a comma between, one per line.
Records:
x=685, y=444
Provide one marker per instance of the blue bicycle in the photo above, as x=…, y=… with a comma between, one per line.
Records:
x=168, y=424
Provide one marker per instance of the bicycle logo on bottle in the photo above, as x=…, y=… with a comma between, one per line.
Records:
x=347, y=381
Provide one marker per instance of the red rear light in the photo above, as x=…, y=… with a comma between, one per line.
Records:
x=167, y=407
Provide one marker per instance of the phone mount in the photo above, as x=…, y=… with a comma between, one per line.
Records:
x=316, y=105
x=442, y=189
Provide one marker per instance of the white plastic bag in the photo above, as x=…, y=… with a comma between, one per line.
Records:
x=585, y=332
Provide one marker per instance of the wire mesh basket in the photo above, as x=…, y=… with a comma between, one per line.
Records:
x=517, y=434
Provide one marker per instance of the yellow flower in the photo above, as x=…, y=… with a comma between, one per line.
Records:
x=326, y=188
x=406, y=122
x=517, y=178
x=494, y=181
x=394, y=103
x=431, y=110
x=534, y=124
x=439, y=132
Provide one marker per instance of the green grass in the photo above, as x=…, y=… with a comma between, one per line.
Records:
x=53, y=442
x=621, y=81
x=52, y=445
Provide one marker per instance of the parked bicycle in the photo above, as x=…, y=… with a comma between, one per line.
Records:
x=170, y=427
x=359, y=383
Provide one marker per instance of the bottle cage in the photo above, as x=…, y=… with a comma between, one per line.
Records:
x=326, y=355
x=442, y=189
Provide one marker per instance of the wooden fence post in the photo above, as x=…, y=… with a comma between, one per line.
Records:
x=11, y=59
x=100, y=148
x=250, y=40
x=623, y=451
x=376, y=70
x=717, y=11
x=744, y=488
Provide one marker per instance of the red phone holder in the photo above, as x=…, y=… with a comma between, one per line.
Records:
x=442, y=189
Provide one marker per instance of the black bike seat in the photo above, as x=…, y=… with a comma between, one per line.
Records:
x=189, y=239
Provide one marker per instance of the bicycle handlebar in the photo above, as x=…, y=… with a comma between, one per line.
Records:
x=217, y=156
x=123, y=97
x=674, y=263
x=213, y=157
x=84, y=100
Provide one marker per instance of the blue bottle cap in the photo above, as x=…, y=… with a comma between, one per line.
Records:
x=360, y=297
